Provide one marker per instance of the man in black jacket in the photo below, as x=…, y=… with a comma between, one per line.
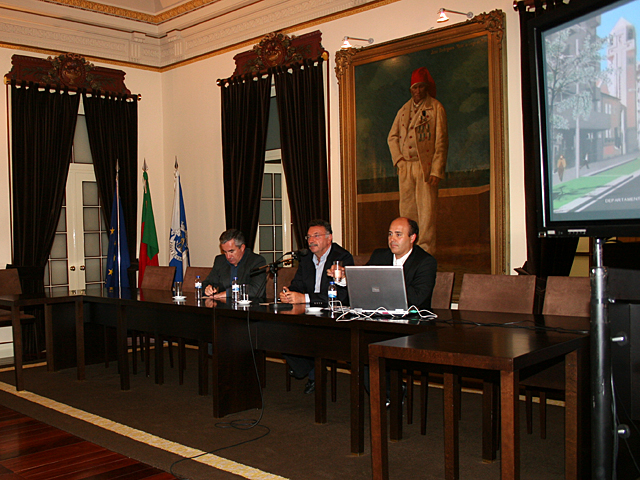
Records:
x=419, y=266
x=239, y=261
x=311, y=284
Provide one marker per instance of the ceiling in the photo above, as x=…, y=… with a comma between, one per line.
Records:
x=153, y=33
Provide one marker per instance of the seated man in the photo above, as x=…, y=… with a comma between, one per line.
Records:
x=236, y=261
x=311, y=285
x=419, y=267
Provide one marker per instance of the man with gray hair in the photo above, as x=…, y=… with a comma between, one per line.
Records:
x=239, y=261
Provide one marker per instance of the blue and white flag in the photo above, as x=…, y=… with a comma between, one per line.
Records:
x=178, y=239
x=118, y=254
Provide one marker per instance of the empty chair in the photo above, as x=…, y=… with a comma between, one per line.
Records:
x=495, y=293
x=189, y=282
x=10, y=285
x=564, y=296
x=285, y=275
x=440, y=300
x=158, y=278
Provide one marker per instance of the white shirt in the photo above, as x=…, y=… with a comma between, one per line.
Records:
x=400, y=261
x=319, y=263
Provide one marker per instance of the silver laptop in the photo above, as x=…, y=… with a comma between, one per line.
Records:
x=377, y=288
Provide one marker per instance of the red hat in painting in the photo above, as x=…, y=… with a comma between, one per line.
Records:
x=422, y=75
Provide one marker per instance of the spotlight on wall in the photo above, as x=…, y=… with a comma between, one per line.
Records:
x=442, y=15
x=347, y=44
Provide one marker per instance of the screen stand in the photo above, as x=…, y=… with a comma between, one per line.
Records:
x=602, y=428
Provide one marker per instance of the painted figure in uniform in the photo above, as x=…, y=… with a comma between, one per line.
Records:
x=419, y=142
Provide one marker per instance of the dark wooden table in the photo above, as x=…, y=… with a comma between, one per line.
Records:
x=468, y=349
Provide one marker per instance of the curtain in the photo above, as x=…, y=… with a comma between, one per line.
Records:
x=112, y=126
x=300, y=100
x=545, y=256
x=43, y=124
x=245, y=115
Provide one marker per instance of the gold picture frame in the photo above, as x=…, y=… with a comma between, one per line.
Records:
x=476, y=186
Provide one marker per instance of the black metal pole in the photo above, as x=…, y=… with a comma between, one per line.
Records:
x=602, y=425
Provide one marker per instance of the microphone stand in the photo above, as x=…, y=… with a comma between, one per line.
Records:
x=273, y=269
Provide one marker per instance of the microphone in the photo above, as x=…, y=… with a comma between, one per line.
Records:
x=303, y=252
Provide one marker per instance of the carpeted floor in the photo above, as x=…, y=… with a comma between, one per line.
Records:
x=159, y=425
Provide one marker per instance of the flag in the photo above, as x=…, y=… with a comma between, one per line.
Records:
x=148, y=236
x=117, y=278
x=178, y=244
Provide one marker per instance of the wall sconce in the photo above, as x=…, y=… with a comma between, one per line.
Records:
x=347, y=44
x=443, y=16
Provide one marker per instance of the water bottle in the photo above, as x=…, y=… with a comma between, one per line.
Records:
x=235, y=289
x=198, y=288
x=333, y=296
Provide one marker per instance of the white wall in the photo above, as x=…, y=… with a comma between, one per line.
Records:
x=179, y=115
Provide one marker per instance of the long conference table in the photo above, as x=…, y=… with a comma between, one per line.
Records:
x=237, y=332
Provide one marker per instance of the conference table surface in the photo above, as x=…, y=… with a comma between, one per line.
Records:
x=236, y=332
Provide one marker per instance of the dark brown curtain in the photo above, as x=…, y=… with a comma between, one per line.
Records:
x=545, y=256
x=112, y=125
x=245, y=115
x=300, y=99
x=43, y=123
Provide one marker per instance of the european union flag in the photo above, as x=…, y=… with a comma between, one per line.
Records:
x=117, y=278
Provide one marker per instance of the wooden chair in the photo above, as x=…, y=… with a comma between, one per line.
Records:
x=189, y=282
x=564, y=296
x=10, y=285
x=495, y=293
x=440, y=300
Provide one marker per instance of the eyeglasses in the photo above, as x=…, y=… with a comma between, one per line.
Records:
x=317, y=235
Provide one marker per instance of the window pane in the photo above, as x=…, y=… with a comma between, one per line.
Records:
x=266, y=238
x=46, y=274
x=273, y=127
x=59, y=272
x=90, y=194
x=105, y=243
x=266, y=212
x=62, y=223
x=277, y=185
x=91, y=245
x=95, y=289
x=267, y=186
x=277, y=207
x=91, y=218
x=268, y=256
x=60, y=290
x=81, y=149
x=92, y=271
x=59, y=248
x=278, y=231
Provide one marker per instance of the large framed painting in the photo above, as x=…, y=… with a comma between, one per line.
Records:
x=465, y=62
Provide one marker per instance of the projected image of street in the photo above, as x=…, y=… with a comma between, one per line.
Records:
x=593, y=133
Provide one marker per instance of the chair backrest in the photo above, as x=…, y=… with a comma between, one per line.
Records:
x=10, y=282
x=567, y=296
x=158, y=278
x=443, y=290
x=189, y=281
x=285, y=275
x=360, y=259
x=497, y=293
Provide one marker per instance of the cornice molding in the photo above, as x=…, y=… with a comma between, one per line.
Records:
x=220, y=34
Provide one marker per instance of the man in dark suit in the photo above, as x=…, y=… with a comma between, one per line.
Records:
x=419, y=266
x=311, y=284
x=239, y=261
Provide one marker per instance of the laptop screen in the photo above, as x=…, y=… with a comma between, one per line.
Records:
x=372, y=287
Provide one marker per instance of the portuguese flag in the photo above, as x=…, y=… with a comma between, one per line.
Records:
x=148, y=236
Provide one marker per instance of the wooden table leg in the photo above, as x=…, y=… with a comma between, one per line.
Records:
x=378, y=396
x=489, y=422
x=80, y=360
x=17, y=347
x=159, y=357
x=396, y=404
x=572, y=416
x=321, y=390
x=357, y=393
x=48, y=335
x=123, y=354
x=451, y=434
x=510, y=426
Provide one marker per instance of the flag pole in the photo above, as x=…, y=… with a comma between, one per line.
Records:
x=118, y=226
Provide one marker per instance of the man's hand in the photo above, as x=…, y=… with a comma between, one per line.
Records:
x=209, y=291
x=433, y=180
x=287, y=296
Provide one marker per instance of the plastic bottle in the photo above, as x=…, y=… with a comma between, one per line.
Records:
x=333, y=296
x=198, y=288
x=235, y=289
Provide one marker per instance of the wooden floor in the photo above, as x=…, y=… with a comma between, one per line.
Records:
x=32, y=450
